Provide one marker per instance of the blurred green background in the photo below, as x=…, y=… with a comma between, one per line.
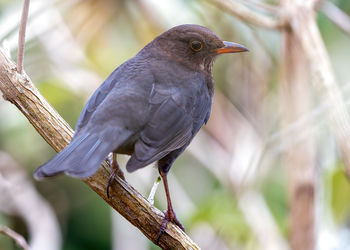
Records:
x=227, y=191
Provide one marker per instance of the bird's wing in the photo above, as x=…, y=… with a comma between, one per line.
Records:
x=108, y=120
x=169, y=128
x=129, y=84
x=97, y=98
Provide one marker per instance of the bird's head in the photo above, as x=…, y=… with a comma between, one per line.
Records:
x=194, y=45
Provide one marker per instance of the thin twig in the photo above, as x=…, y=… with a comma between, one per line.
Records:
x=154, y=190
x=336, y=15
x=272, y=9
x=22, y=35
x=19, y=239
x=245, y=14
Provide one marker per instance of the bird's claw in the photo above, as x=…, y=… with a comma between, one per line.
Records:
x=109, y=183
x=170, y=216
x=115, y=172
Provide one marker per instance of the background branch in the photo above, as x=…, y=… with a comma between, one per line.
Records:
x=300, y=157
x=336, y=15
x=304, y=58
x=19, y=239
x=19, y=90
x=246, y=15
x=20, y=196
x=323, y=79
x=272, y=9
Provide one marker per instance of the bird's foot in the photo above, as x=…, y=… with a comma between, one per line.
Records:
x=115, y=171
x=169, y=216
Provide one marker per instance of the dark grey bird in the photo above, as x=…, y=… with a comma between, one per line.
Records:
x=150, y=107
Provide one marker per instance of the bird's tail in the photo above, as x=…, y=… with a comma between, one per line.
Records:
x=81, y=158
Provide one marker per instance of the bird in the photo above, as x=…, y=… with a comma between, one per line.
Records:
x=150, y=108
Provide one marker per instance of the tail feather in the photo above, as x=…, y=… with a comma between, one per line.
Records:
x=85, y=153
x=59, y=159
x=81, y=158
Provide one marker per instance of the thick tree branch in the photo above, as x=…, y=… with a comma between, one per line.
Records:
x=19, y=90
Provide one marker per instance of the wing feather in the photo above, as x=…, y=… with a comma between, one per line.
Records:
x=169, y=128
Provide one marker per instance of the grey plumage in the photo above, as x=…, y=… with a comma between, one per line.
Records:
x=150, y=107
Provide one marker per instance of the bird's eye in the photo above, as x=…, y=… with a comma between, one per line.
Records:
x=196, y=46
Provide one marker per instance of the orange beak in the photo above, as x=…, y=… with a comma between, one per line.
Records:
x=231, y=48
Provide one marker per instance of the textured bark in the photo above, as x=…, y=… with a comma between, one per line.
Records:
x=19, y=90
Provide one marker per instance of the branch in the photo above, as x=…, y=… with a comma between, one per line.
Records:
x=43, y=228
x=19, y=90
x=300, y=157
x=19, y=239
x=337, y=16
x=300, y=19
x=323, y=78
x=272, y=9
x=246, y=15
x=22, y=35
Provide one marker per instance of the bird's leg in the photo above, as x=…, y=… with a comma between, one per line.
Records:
x=169, y=214
x=115, y=171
